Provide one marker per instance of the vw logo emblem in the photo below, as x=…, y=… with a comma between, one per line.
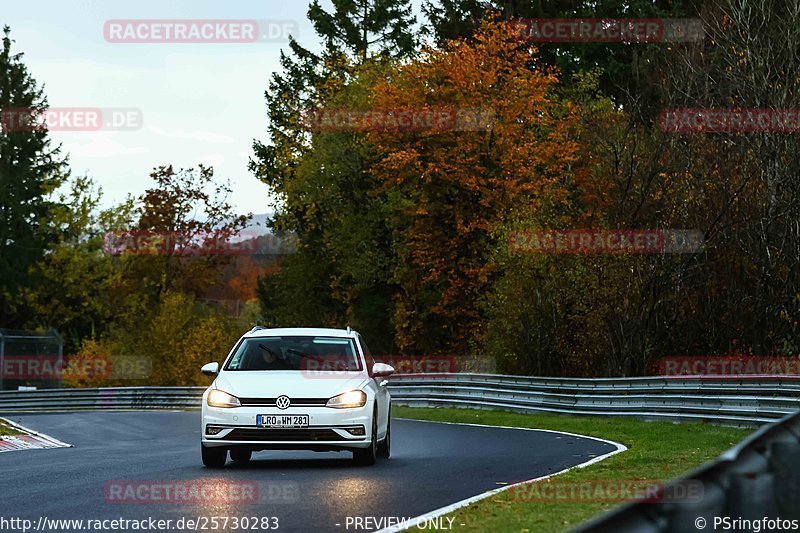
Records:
x=283, y=402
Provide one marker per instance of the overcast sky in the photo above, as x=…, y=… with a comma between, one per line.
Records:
x=199, y=102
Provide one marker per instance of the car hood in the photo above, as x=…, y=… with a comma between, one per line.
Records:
x=294, y=384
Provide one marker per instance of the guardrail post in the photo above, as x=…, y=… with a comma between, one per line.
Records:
x=682, y=516
x=752, y=495
x=785, y=464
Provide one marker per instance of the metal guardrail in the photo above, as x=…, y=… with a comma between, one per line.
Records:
x=740, y=401
x=743, y=400
x=101, y=398
x=756, y=479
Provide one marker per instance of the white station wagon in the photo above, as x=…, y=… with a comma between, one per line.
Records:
x=297, y=389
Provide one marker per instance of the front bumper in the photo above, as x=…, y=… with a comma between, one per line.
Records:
x=329, y=429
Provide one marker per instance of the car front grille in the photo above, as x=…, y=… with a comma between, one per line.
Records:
x=296, y=402
x=269, y=435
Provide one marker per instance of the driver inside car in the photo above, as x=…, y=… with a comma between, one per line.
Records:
x=267, y=358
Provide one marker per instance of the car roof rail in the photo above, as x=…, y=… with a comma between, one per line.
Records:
x=349, y=330
x=256, y=328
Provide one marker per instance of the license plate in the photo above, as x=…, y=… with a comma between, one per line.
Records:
x=282, y=421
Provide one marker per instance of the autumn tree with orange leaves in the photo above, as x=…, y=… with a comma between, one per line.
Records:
x=449, y=189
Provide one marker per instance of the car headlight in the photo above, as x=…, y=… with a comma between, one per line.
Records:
x=354, y=398
x=219, y=398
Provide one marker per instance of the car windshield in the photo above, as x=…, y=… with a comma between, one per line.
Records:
x=301, y=353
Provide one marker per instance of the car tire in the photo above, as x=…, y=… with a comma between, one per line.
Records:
x=241, y=456
x=368, y=456
x=214, y=457
x=385, y=446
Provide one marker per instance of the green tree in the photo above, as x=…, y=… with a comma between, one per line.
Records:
x=452, y=19
x=164, y=345
x=362, y=27
x=356, y=31
x=321, y=179
x=75, y=290
x=31, y=169
x=341, y=272
x=630, y=71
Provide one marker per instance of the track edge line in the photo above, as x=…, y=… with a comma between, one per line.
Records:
x=482, y=496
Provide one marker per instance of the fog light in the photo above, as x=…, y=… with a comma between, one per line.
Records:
x=213, y=430
x=358, y=431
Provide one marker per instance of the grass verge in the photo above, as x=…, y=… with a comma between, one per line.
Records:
x=656, y=451
x=6, y=429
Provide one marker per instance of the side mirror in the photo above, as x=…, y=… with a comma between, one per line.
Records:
x=382, y=370
x=210, y=369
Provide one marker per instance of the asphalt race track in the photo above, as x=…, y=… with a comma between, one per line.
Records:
x=432, y=465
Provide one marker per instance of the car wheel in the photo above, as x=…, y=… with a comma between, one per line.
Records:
x=241, y=456
x=385, y=446
x=368, y=456
x=214, y=457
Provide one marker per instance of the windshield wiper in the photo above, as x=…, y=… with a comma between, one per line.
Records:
x=269, y=351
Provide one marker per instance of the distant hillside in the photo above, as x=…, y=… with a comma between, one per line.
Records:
x=258, y=224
